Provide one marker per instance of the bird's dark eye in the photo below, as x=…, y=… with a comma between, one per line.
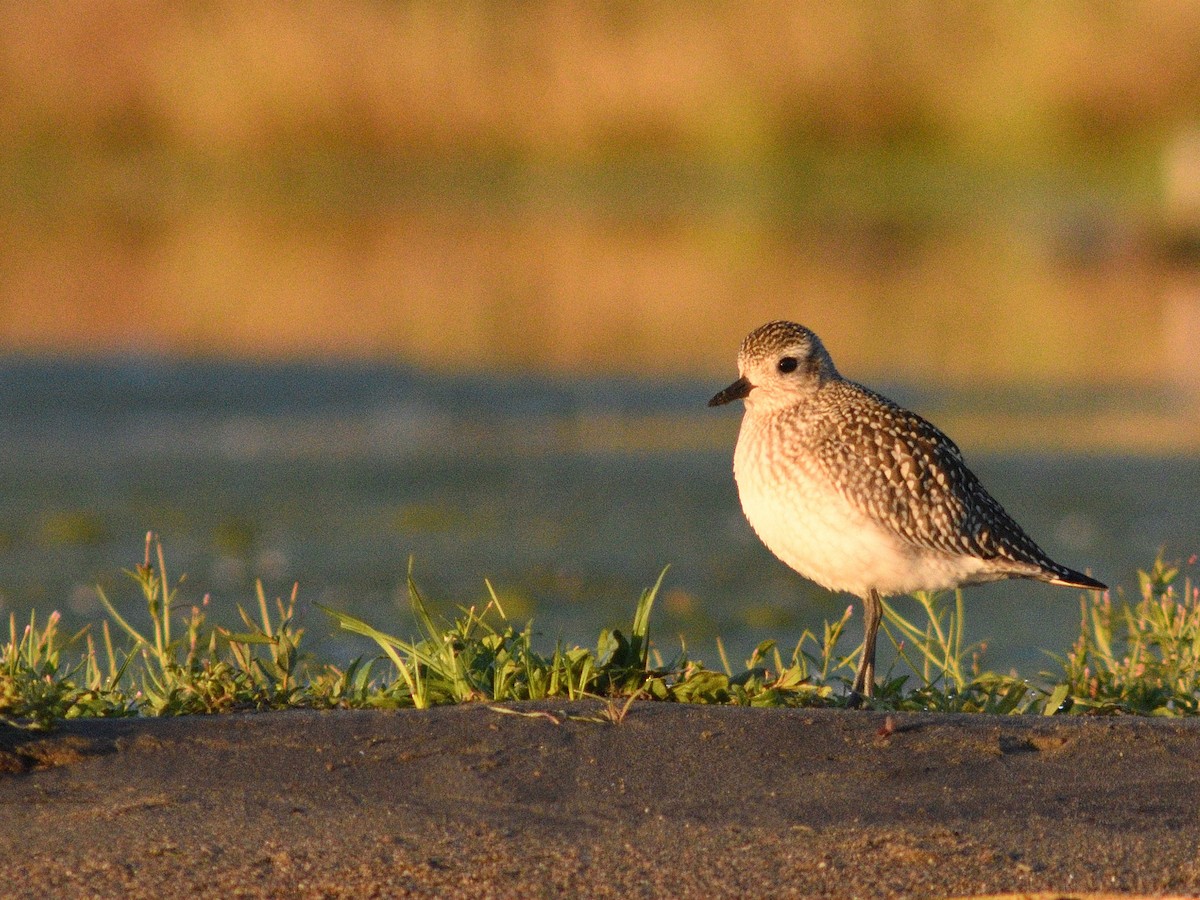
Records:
x=788, y=364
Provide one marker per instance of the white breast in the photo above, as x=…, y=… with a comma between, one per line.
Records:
x=803, y=519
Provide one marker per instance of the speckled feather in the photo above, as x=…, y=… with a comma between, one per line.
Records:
x=893, y=466
x=904, y=473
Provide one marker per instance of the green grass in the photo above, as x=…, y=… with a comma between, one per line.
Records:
x=1137, y=656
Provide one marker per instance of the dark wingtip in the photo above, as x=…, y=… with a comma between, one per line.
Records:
x=1071, y=578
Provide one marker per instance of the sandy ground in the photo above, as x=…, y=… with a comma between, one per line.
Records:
x=676, y=801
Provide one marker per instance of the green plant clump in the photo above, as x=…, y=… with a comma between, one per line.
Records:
x=1140, y=657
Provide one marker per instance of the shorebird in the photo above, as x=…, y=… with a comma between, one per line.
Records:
x=860, y=495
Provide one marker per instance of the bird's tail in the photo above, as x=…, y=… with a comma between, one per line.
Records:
x=1065, y=577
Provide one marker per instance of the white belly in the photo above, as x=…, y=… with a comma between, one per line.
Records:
x=803, y=520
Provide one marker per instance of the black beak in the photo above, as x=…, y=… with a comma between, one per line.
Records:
x=736, y=391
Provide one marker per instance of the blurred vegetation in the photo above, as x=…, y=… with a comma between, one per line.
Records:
x=623, y=186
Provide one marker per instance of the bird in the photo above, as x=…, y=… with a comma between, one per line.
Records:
x=860, y=495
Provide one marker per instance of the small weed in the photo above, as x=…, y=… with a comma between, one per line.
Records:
x=204, y=669
x=37, y=685
x=1141, y=658
x=611, y=712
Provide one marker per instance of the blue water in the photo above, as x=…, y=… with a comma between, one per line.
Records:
x=569, y=495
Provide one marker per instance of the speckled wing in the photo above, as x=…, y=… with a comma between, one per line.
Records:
x=907, y=475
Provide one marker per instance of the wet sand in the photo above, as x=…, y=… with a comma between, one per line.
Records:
x=676, y=801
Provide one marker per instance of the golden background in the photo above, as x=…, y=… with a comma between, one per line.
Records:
x=948, y=193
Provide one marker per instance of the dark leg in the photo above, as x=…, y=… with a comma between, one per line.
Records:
x=864, y=681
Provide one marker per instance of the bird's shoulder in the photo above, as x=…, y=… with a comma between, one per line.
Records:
x=862, y=429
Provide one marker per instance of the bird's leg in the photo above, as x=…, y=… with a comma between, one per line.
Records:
x=864, y=680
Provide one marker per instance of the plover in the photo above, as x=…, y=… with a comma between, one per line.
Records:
x=859, y=494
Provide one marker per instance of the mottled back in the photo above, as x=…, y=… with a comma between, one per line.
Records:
x=903, y=472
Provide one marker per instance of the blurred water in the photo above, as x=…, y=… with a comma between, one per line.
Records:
x=569, y=495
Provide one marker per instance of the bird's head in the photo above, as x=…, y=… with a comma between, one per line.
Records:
x=780, y=364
